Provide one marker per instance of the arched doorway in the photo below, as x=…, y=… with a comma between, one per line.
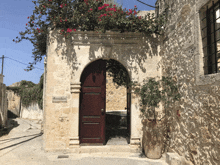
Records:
x=92, y=113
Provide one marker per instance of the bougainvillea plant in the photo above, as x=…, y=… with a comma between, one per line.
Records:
x=85, y=15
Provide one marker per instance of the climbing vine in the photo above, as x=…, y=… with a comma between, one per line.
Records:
x=85, y=15
x=30, y=92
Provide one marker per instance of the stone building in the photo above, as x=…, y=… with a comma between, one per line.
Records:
x=3, y=103
x=188, y=51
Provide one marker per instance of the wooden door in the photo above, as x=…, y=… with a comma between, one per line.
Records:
x=92, y=103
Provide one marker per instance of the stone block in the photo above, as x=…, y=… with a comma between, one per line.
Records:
x=173, y=159
x=66, y=110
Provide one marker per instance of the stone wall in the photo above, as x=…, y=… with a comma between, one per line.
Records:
x=116, y=96
x=13, y=100
x=15, y=106
x=66, y=60
x=195, y=134
x=3, y=105
x=31, y=112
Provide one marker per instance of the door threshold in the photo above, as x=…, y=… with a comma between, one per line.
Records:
x=91, y=144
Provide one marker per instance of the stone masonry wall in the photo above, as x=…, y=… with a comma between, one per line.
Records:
x=3, y=105
x=66, y=60
x=31, y=112
x=13, y=100
x=116, y=96
x=196, y=132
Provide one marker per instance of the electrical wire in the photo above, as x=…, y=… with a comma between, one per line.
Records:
x=146, y=4
x=22, y=63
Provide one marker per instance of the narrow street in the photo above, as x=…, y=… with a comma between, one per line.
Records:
x=24, y=146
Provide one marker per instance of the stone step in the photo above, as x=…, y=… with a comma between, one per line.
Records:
x=109, y=149
x=120, y=157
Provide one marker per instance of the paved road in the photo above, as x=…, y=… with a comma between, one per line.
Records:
x=24, y=146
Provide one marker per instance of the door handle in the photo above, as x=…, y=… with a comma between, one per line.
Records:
x=102, y=110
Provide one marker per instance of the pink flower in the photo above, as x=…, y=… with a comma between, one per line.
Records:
x=27, y=17
x=66, y=19
x=60, y=20
x=90, y=9
x=33, y=22
x=65, y=4
x=100, y=20
x=74, y=29
x=69, y=30
x=135, y=12
x=26, y=24
x=62, y=30
x=135, y=6
x=37, y=28
x=139, y=17
x=44, y=6
x=104, y=14
x=114, y=5
x=61, y=5
x=99, y=8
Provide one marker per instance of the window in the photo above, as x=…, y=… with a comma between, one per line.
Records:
x=211, y=37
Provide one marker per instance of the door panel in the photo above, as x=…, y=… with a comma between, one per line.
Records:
x=92, y=103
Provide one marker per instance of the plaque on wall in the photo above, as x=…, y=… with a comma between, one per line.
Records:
x=59, y=99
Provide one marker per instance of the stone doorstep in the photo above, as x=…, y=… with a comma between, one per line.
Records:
x=58, y=156
x=109, y=149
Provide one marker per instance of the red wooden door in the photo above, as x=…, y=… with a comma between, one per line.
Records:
x=92, y=103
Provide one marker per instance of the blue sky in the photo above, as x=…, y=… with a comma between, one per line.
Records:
x=13, y=17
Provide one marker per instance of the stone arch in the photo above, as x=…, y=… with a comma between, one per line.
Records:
x=120, y=61
x=127, y=95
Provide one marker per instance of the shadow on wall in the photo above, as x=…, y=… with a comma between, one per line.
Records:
x=12, y=115
x=128, y=48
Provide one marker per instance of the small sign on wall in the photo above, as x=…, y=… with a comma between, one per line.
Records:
x=59, y=99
